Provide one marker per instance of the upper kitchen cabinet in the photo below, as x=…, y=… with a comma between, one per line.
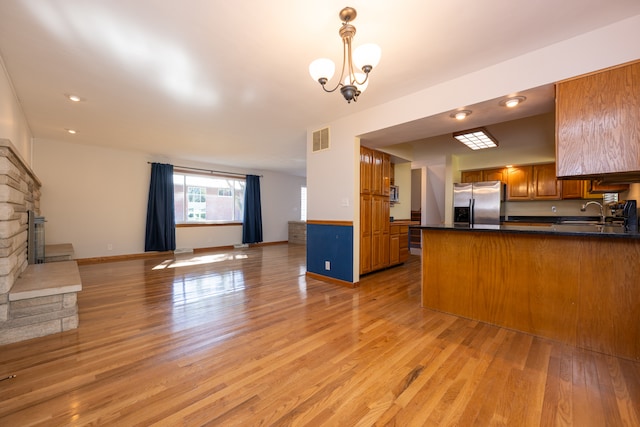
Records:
x=519, y=183
x=545, y=186
x=495, y=175
x=533, y=182
x=471, y=176
x=598, y=124
x=499, y=174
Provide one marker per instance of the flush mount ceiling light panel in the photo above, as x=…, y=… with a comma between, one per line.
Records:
x=476, y=139
x=365, y=58
x=512, y=101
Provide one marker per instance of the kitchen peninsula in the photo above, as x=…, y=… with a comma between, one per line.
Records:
x=574, y=284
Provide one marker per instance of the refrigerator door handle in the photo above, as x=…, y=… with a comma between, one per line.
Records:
x=471, y=214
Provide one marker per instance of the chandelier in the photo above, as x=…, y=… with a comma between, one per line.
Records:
x=364, y=57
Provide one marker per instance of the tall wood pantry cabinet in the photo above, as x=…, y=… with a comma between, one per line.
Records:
x=375, y=170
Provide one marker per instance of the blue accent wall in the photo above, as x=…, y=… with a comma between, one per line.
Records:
x=333, y=243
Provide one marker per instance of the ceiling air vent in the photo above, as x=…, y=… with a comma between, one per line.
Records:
x=321, y=140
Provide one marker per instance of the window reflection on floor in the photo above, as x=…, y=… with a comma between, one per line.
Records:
x=198, y=260
x=190, y=289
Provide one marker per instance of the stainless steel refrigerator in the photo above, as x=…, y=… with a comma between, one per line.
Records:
x=477, y=203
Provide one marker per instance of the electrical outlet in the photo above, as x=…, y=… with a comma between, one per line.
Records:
x=109, y=246
x=553, y=209
x=327, y=265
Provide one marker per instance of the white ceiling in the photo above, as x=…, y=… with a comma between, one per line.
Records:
x=226, y=82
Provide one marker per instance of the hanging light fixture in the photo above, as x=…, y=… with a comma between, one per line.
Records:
x=365, y=58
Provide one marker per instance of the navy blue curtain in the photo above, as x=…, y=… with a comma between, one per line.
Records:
x=161, y=220
x=252, y=224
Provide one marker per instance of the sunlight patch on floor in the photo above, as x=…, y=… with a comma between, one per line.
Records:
x=198, y=260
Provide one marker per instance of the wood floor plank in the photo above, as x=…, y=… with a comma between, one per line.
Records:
x=242, y=337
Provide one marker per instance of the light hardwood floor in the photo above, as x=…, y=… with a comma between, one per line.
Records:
x=243, y=338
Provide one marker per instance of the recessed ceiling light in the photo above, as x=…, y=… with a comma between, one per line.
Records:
x=512, y=101
x=460, y=115
x=73, y=98
x=476, y=139
x=71, y=131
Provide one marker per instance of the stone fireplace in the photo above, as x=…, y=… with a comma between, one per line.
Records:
x=37, y=298
x=19, y=194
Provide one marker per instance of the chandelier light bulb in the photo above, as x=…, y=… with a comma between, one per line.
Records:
x=367, y=55
x=322, y=68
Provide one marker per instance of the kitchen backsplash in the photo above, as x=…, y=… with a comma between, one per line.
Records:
x=549, y=208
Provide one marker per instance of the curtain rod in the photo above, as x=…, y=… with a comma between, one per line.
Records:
x=207, y=170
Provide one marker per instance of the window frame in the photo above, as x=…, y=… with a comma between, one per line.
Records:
x=211, y=175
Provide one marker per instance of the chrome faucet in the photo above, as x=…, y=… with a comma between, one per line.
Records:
x=593, y=202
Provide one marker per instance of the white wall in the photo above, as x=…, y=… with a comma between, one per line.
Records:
x=402, y=179
x=13, y=125
x=95, y=196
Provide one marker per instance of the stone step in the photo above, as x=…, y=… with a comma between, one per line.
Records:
x=58, y=252
x=41, y=280
x=42, y=301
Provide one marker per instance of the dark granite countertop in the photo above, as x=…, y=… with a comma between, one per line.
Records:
x=547, y=219
x=584, y=230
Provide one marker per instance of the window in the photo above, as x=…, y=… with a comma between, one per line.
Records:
x=208, y=198
x=303, y=203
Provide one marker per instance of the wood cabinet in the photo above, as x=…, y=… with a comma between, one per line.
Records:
x=375, y=175
x=594, y=187
x=399, y=243
x=533, y=182
x=544, y=185
x=573, y=189
x=499, y=174
x=366, y=165
x=365, y=233
x=589, y=189
x=519, y=183
x=379, y=232
x=598, y=123
x=495, y=175
x=471, y=176
x=380, y=173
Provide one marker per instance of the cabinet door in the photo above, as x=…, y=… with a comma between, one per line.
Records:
x=518, y=183
x=386, y=174
x=378, y=232
x=598, y=122
x=470, y=176
x=376, y=173
x=595, y=187
x=385, y=230
x=545, y=185
x=365, y=170
x=394, y=249
x=365, y=233
x=404, y=243
x=572, y=189
x=495, y=175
